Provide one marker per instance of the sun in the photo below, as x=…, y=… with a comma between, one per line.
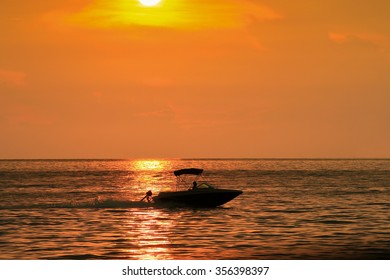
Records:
x=149, y=3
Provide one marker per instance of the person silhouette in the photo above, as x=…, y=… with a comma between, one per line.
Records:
x=194, y=185
x=148, y=197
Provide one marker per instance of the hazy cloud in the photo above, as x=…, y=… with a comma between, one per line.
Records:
x=374, y=39
x=12, y=78
x=157, y=82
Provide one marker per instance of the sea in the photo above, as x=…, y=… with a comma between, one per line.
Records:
x=290, y=209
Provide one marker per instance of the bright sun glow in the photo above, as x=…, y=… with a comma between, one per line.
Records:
x=149, y=2
x=147, y=165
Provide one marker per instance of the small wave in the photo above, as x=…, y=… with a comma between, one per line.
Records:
x=335, y=222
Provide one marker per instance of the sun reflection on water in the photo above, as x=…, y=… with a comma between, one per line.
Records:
x=155, y=165
x=151, y=174
x=150, y=235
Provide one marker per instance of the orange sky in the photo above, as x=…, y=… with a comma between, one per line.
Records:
x=195, y=78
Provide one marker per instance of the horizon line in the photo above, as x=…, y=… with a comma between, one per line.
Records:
x=195, y=158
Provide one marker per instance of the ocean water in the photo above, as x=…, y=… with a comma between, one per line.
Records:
x=290, y=209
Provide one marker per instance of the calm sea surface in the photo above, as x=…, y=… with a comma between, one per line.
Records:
x=290, y=209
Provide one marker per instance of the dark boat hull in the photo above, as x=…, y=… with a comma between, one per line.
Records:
x=197, y=197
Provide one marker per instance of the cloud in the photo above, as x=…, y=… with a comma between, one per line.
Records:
x=12, y=78
x=373, y=39
x=22, y=115
x=175, y=14
x=338, y=37
x=157, y=82
x=164, y=113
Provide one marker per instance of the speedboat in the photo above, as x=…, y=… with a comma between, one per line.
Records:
x=199, y=194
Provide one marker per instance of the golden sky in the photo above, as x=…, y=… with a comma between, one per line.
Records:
x=194, y=78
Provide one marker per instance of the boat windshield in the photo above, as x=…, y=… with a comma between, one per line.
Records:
x=204, y=185
x=188, y=178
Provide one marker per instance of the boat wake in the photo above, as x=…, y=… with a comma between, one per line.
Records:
x=96, y=203
x=99, y=203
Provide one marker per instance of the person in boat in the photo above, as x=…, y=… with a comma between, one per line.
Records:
x=148, y=197
x=194, y=185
